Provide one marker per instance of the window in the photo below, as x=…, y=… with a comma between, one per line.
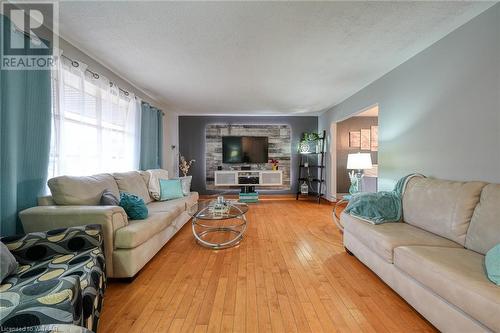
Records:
x=95, y=126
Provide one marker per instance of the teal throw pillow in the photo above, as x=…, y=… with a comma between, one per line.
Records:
x=170, y=189
x=492, y=263
x=134, y=206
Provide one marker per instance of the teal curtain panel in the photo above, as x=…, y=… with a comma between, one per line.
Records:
x=151, y=137
x=25, y=124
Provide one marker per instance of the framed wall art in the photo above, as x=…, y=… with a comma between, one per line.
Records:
x=354, y=139
x=365, y=139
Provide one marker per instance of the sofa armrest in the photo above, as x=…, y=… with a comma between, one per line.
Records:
x=43, y=218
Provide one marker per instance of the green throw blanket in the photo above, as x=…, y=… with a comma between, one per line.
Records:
x=380, y=207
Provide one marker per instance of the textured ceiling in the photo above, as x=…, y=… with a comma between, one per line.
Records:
x=257, y=58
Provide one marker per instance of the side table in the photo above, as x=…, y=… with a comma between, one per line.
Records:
x=339, y=207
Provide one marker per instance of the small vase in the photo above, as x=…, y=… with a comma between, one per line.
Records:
x=354, y=188
x=275, y=167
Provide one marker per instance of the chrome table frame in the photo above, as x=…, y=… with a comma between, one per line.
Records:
x=237, y=229
x=335, y=218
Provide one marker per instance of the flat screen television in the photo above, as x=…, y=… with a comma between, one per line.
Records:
x=245, y=149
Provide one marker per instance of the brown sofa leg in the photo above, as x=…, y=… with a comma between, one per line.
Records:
x=348, y=252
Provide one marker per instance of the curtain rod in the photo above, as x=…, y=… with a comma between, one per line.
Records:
x=96, y=76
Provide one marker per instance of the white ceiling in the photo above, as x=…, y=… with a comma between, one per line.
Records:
x=257, y=58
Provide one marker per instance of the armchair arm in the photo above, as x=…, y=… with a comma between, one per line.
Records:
x=111, y=218
x=38, y=246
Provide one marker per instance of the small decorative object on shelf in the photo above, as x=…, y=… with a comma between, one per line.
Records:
x=310, y=143
x=304, y=147
x=304, y=188
x=274, y=164
x=184, y=165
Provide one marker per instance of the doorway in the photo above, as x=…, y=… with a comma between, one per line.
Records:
x=357, y=134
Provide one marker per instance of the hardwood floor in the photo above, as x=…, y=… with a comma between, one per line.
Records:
x=289, y=274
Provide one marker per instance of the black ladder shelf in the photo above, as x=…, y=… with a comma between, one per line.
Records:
x=316, y=180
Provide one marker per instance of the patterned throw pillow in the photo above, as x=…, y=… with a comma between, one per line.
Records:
x=134, y=206
x=170, y=189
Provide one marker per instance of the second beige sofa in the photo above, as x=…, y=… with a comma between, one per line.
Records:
x=128, y=244
x=435, y=258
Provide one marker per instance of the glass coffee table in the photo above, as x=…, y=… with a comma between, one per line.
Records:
x=218, y=224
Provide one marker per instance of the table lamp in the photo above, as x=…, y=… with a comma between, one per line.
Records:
x=357, y=163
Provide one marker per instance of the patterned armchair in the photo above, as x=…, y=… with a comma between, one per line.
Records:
x=60, y=279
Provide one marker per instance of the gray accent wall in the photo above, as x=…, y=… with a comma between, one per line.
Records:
x=439, y=112
x=192, y=142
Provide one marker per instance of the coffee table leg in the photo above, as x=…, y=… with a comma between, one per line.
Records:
x=229, y=229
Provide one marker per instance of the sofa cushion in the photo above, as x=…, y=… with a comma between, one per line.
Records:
x=139, y=231
x=492, y=263
x=152, y=178
x=170, y=189
x=109, y=199
x=484, y=229
x=134, y=206
x=133, y=182
x=457, y=275
x=178, y=205
x=69, y=190
x=8, y=263
x=175, y=206
x=440, y=206
x=384, y=238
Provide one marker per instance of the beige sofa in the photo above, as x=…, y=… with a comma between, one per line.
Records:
x=435, y=258
x=128, y=244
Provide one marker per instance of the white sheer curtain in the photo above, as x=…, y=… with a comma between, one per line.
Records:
x=96, y=127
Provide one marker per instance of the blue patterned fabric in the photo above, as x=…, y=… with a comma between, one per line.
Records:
x=492, y=263
x=134, y=206
x=170, y=189
x=60, y=280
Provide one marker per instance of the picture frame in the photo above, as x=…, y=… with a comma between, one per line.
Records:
x=374, y=138
x=355, y=139
x=365, y=139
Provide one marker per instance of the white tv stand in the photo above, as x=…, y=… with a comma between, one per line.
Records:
x=232, y=177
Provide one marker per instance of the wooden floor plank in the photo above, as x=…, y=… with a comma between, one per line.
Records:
x=289, y=274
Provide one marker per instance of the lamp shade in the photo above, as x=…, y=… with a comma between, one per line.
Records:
x=359, y=161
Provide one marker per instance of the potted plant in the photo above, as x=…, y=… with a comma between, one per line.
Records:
x=274, y=164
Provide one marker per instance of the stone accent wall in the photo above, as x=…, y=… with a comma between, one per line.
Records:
x=279, y=148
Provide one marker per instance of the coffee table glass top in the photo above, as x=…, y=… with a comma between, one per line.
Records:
x=210, y=210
